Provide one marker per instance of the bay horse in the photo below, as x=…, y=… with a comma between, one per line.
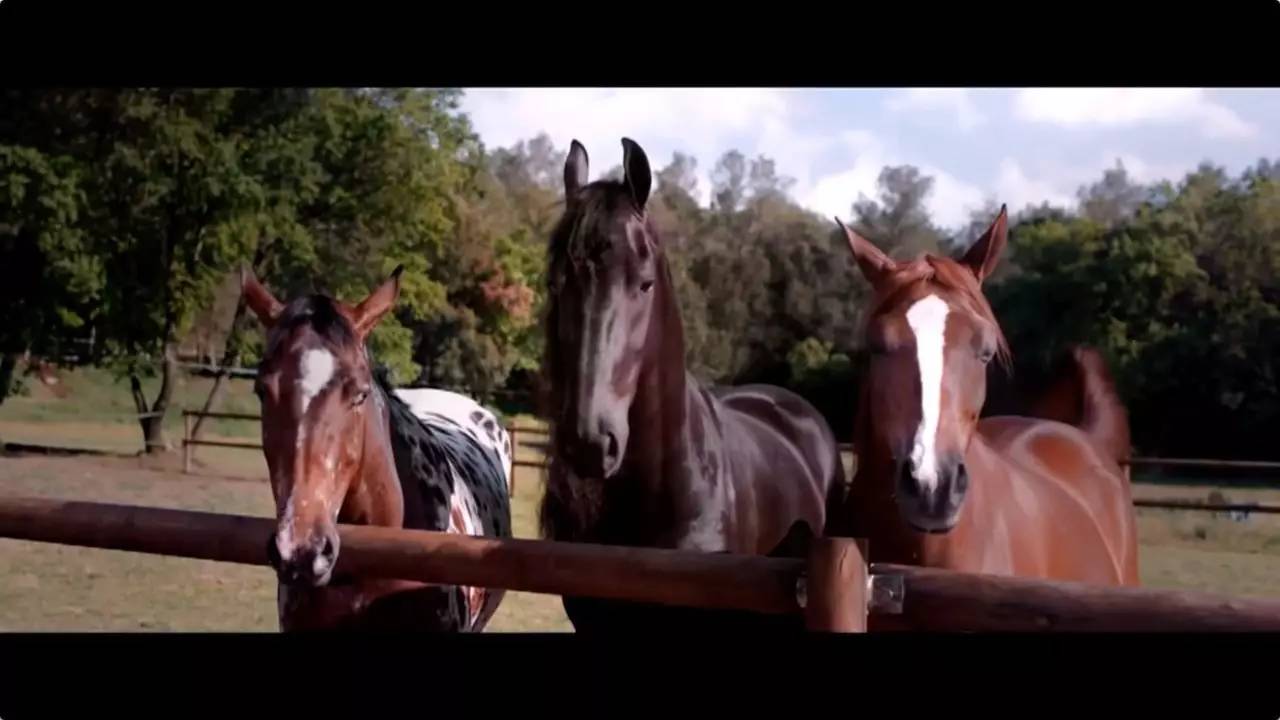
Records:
x=1009, y=495
x=641, y=453
x=343, y=446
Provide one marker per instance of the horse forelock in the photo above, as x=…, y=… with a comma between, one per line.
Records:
x=954, y=279
x=585, y=230
x=318, y=314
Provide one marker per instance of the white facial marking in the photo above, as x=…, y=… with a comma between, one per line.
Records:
x=315, y=370
x=928, y=320
x=319, y=566
x=284, y=537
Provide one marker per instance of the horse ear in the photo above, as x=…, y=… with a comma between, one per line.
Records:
x=575, y=169
x=367, y=314
x=636, y=173
x=258, y=298
x=983, y=256
x=875, y=265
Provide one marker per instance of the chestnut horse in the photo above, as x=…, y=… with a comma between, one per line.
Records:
x=1003, y=495
x=641, y=453
x=343, y=447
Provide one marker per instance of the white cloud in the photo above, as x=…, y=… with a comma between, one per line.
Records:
x=1058, y=184
x=949, y=202
x=832, y=167
x=705, y=123
x=701, y=122
x=1120, y=107
x=925, y=103
x=1016, y=189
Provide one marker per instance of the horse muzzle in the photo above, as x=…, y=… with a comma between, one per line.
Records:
x=307, y=565
x=594, y=455
x=932, y=506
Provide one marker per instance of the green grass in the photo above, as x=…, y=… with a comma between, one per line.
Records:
x=95, y=396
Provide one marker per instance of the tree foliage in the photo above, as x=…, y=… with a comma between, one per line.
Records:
x=124, y=212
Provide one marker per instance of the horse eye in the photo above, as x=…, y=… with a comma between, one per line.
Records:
x=985, y=355
x=646, y=286
x=360, y=395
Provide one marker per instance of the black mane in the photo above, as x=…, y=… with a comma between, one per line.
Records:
x=584, y=231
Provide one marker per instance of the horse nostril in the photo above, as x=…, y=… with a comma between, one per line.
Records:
x=611, y=445
x=329, y=550
x=906, y=483
x=962, y=478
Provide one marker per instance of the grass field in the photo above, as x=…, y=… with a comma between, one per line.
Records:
x=45, y=587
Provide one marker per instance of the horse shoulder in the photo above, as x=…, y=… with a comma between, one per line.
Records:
x=1055, y=468
x=782, y=447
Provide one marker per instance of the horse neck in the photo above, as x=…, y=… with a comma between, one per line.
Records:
x=375, y=496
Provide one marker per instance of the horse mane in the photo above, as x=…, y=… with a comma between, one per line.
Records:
x=948, y=275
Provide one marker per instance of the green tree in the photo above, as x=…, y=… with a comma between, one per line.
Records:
x=898, y=219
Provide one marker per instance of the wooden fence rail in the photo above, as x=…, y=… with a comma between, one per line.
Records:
x=834, y=587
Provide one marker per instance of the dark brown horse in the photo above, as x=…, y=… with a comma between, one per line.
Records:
x=343, y=447
x=642, y=454
x=1006, y=495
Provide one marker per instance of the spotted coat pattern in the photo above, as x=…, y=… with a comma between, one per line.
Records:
x=455, y=414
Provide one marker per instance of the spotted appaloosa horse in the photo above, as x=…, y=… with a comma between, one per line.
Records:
x=1006, y=495
x=343, y=447
x=641, y=453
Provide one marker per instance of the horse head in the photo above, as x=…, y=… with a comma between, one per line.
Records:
x=605, y=261
x=930, y=336
x=313, y=383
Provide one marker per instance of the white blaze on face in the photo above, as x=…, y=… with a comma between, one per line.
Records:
x=284, y=534
x=315, y=370
x=928, y=320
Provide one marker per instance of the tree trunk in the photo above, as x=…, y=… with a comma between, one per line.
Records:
x=8, y=366
x=230, y=357
x=152, y=418
x=231, y=352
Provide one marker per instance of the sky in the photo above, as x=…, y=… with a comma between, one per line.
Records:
x=1014, y=146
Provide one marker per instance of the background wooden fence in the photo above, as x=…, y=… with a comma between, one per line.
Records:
x=834, y=587
x=518, y=431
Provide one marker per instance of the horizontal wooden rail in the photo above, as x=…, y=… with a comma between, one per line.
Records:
x=1181, y=504
x=901, y=597
x=940, y=600
x=221, y=415
x=530, y=429
x=765, y=585
x=224, y=443
x=1202, y=463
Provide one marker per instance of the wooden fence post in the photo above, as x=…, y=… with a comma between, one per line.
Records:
x=836, y=586
x=186, y=442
